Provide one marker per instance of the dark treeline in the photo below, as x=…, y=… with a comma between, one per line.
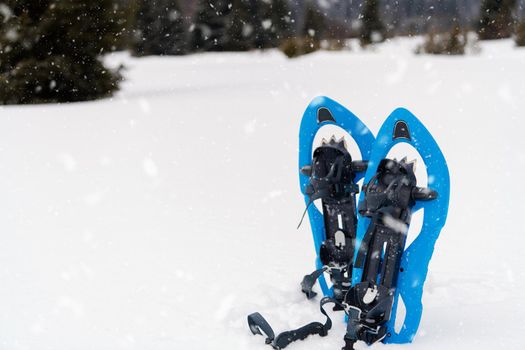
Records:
x=404, y=17
x=175, y=27
x=172, y=27
x=50, y=50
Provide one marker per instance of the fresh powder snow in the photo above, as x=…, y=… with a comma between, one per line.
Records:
x=161, y=218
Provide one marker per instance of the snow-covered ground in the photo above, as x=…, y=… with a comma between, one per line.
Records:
x=161, y=218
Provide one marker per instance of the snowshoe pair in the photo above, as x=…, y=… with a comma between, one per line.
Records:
x=370, y=267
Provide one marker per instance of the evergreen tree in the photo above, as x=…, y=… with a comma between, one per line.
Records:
x=211, y=25
x=451, y=43
x=240, y=25
x=372, y=28
x=281, y=22
x=272, y=23
x=160, y=29
x=315, y=23
x=457, y=41
x=309, y=36
x=262, y=23
x=496, y=19
x=49, y=50
x=126, y=16
x=520, y=34
x=242, y=29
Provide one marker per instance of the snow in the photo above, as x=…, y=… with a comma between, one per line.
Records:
x=160, y=218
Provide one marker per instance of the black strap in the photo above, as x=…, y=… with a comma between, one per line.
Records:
x=258, y=325
x=309, y=281
x=363, y=248
x=304, y=212
x=349, y=344
x=313, y=195
x=325, y=192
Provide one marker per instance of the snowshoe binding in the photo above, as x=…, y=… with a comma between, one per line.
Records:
x=388, y=201
x=332, y=180
x=334, y=190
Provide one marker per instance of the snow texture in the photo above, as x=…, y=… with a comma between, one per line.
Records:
x=161, y=218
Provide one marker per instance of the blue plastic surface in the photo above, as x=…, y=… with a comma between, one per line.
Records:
x=309, y=128
x=417, y=255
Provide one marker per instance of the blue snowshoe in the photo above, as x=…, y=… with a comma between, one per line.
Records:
x=385, y=270
x=331, y=175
